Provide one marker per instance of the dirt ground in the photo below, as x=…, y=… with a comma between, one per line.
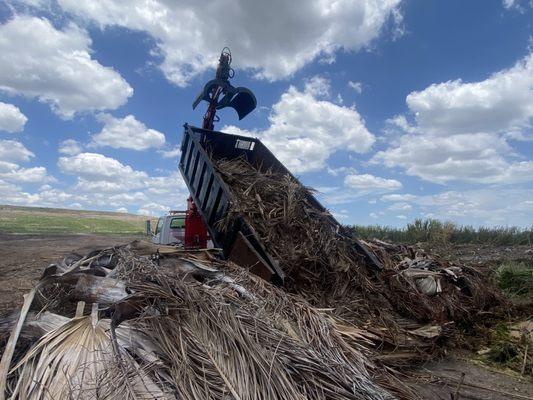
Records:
x=23, y=258
x=489, y=256
x=442, y=381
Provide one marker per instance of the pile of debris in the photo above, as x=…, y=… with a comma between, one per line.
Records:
x=413, y=304
x=146, y=322
x=122, y=324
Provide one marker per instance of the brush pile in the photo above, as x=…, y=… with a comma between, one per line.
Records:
x=121, y=324
x=146, y=322
x=413, y=304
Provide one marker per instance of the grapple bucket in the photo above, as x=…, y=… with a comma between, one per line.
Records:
x=241, y=99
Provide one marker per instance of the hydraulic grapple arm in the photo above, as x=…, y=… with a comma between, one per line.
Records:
x=219, y=93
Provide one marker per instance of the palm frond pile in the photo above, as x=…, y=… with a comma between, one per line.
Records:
x=146, y=322
x=182, y=326
x=413, y=303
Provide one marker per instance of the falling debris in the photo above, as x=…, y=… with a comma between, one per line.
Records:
x=410, y=303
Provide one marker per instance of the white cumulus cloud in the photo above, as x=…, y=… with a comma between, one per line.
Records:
x=481, y=207
x=11, y=118
x=15, y=173
x=372, y=183
x=153, y=209
x=106, y=182
x=502, y=102
x=101, y=183
x=400, y=207
x=127, y=133
x=70, y=147
x=509, y=3
x=94, y=167
x=463, y=131
x=272, y=39
x=55, y=66
x=305, y=131
x=356, y=86
x=355, y=187
x=14, y=151
x=475, y=157
x=398, y=197
x=171, y=153
x=519, y=5
x=13, y=194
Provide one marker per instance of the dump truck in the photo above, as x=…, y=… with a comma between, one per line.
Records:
x=200, y=148
x=211, y=196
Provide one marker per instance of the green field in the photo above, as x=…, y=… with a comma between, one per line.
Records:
x=49, y=220
x=14, y=219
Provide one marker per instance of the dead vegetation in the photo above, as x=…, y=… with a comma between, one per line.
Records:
x=184, y=327
x=415, y=302
x=138, y=321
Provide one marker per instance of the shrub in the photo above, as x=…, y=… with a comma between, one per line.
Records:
x=433, y=231
x=515, y=279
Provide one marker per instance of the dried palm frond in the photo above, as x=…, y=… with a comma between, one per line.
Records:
x=190, y=326
x=216, y=344
x=301, y=237
x=229, y=334
x=76, y=360
x=12, y=342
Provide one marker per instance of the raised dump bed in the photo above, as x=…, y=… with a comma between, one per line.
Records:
x=212, y=196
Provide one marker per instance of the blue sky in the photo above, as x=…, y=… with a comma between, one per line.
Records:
x=392, y=110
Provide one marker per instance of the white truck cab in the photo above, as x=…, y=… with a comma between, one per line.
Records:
x=170, y=229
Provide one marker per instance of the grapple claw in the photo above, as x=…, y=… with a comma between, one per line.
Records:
x=219, y=93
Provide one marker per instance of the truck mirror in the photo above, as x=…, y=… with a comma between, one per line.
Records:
x=149, y=228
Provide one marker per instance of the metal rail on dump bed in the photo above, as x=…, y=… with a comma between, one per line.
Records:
x=212, y=196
